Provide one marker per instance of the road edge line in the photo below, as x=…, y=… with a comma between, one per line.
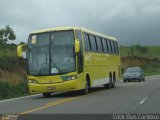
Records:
x=18, y=98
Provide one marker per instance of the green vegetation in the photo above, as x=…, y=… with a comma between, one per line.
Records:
x=9, y=91
x=147, y=57
x=12, y=74
x=12, y=68
x=154, y=51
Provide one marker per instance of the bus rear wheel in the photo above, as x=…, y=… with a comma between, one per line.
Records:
x=110, y=84
x=114, y=80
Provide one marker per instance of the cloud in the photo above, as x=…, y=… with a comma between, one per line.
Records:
x=131, y=21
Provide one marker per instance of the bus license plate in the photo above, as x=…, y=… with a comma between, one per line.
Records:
x=51, y=88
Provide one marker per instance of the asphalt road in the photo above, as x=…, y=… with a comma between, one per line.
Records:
x=132, y=97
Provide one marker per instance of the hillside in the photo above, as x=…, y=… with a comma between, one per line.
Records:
x=149, y=61
x=12, y=73
x=154, y=50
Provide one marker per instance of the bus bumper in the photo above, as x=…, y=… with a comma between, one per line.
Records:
x=71, y=85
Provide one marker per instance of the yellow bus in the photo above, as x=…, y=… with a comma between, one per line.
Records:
x=70, y=59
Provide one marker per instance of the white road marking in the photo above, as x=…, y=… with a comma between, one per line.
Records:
x=18, y=98
x=142, y=101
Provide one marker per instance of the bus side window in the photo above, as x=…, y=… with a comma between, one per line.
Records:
x=104, y=45
x=109, y=46
x=112, y=47
x=86, y=42
x=116, y=45
x=99, y=46
x=95, y=39
x=115, y=48
x=93, y=44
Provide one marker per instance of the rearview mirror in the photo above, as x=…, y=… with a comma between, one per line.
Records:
x=21, y=50
x=77, y=46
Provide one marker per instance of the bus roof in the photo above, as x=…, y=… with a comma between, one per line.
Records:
x=73, y=28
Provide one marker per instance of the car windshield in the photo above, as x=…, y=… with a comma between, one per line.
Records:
x=135, y=69
x=51, y=53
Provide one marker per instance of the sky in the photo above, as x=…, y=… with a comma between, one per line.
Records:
x=130, y=21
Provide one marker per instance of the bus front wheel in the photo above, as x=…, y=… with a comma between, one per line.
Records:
x=86, y=89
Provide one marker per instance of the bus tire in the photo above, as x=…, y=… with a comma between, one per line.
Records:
x=46, y=94
x=113, y=80
x=109, y=85
x=86, y=89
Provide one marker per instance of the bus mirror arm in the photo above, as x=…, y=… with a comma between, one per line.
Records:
x=21, y=50
x=77, y=46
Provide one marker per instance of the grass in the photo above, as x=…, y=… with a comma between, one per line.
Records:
x=10, y=91
x=154, y=51
x=12, y=74
x=124, y=51
x=12, y=68
x=8, y=59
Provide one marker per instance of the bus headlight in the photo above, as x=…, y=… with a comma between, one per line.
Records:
x=32, y=81
x=69, y=77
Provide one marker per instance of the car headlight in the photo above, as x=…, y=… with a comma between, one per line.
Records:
x=69, y=77
x=32, y=81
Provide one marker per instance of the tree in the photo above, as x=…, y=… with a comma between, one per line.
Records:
x=131, y=51
x=138, y=50
x=6, y=34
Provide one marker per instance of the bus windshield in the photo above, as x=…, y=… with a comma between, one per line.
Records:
x=51, y=53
